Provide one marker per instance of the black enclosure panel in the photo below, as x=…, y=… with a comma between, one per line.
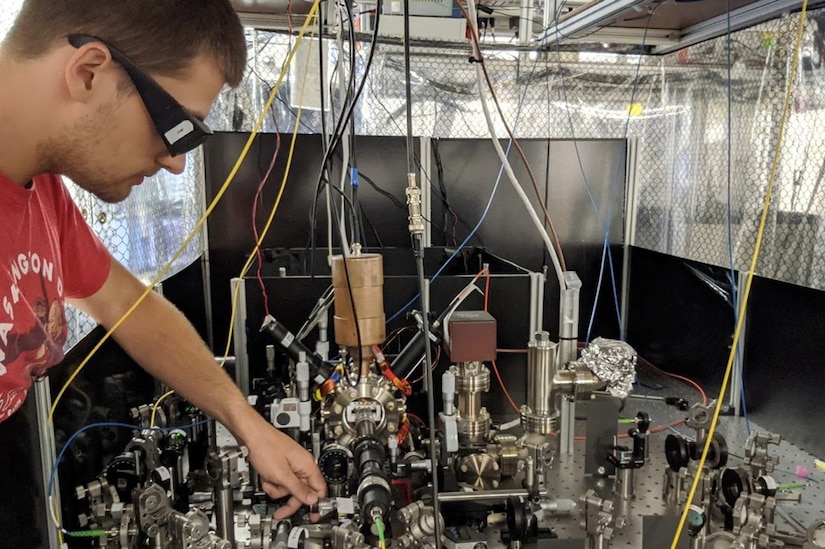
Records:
x=383, y=160
x=471, y=167
x=675, y=320
x=784, y=362
x=469, y=172
x=681, y=325
x=22, y=507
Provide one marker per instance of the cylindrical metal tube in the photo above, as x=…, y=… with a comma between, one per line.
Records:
x=541, y=368
x=558, y=507
x=359, y=282
x=364, y=276
x=281, y=535
x=469, y=405
x=448, y=392
x=599, y=542
x=624, y=483
x=530, y=474
x=225, y=513
x=294, y=348
x=569, y=318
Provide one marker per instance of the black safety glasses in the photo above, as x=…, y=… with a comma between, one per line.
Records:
x=180, y=130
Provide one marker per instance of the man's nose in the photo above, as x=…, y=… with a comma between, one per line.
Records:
x=173, y=164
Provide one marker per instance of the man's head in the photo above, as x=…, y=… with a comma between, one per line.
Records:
x=105, y=132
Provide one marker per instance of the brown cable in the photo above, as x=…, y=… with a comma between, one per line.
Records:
x=547, y=221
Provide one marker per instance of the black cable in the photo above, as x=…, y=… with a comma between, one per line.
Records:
x=344, y=259
x=463, y=223
x=400, y=205
x=344, y=197
x=321, y=61
x=337, y=134
x=408, y=92
x=357, y=224
x=418, y=247
x=445, y=204
x=372, y=226
x=383, y=192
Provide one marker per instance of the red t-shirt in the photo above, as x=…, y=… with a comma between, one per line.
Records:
x=47, y=254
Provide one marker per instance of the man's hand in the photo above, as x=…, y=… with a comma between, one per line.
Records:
x=286, y=469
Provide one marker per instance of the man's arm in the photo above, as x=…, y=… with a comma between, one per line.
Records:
x=165, y=344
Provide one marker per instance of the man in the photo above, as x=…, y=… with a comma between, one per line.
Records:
x=108, y=93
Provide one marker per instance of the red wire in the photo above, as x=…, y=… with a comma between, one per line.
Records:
x=258, y=195
x=689, y=381
x=504, y=388
x=495, y=366
x=455, y=224
x=393, y=335
x=676, y=376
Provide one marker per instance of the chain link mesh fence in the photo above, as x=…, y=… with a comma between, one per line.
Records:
x=674, y=107
x=144, y=231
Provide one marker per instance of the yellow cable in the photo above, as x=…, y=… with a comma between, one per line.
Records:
x=203, y=218
x=266, y=228
x=743, y=304
x=155, y=406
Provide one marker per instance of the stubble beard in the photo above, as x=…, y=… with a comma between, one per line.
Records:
x=72, y=154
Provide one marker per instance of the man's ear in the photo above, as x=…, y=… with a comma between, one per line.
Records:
x=85, y=70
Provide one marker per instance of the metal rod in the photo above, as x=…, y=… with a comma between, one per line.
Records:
x=239, y=336
x=487, y=495
x=48, y=451
x=225, y=513
x=428, y=370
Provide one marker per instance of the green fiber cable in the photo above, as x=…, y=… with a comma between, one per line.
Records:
x=86, y=534
x=379, y=525
x=791, y=486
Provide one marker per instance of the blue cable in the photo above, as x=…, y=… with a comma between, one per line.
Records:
x=606, y=254
x=486, y=208
x=735, y=289
x=60, y=455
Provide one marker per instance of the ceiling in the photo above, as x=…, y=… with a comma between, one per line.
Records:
x=661, y=26
x=666, y=25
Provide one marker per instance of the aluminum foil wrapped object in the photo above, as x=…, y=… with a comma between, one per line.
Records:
x=612, y=361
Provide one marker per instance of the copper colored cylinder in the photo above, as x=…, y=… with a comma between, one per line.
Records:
x=366, y=278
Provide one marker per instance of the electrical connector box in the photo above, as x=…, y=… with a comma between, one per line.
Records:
x=472, y=336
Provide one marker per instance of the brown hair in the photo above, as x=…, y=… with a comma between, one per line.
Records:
x=160, y=36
